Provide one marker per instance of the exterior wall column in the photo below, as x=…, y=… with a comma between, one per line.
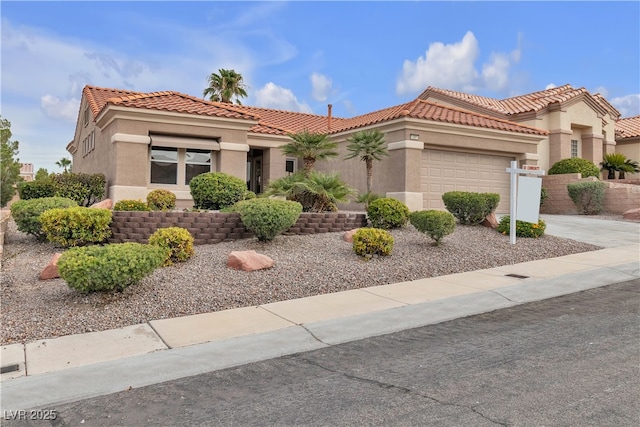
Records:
x=130, y=179
x=559, y=145
x=592, y=147
x=405, y=158
x=273, y=165
x=232, y=159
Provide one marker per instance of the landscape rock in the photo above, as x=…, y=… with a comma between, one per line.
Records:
x=248, y=261
x=51, y=270
x=105, y=204
x=490, y=221
x=348, y=235
x=632, y=214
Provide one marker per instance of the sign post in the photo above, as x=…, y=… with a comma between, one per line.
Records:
x=513, y=211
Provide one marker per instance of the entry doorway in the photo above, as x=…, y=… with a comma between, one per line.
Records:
x=254, y=170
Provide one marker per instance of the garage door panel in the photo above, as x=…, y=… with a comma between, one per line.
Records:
x=444, y=171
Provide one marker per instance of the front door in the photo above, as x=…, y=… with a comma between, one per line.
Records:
x=254, y=171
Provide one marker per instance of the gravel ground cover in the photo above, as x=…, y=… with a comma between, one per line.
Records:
x=304, y=266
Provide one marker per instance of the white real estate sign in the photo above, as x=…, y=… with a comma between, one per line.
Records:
x=525, y=195
x=528, y=199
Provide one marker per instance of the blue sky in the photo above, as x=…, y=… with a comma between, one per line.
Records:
x=301, y=56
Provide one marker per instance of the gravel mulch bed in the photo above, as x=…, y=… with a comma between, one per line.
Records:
x=304, y=266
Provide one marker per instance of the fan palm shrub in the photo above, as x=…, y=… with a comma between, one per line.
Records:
x=310, y=146
x=316, y=192
x=369, y=145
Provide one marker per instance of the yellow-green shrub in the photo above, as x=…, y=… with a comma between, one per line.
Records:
x=77, y=226
x=387, y=213
x=110, y=267
x=131, y=205
x=26, y=213
x=161, y=200
x=177, y=243
x=435, y=224
x=372, y=241
x=523, y=229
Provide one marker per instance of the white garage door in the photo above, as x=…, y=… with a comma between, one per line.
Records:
x=444, y=171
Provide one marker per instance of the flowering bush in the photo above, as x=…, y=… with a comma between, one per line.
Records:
x=131, y=205
x=523, y=229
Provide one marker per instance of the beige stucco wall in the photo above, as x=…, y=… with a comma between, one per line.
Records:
x=630, y=148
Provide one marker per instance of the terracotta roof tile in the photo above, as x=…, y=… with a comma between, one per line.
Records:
x=291, y=121
x=628, y=127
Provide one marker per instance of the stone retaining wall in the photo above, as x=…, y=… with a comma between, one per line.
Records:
x=215, y=227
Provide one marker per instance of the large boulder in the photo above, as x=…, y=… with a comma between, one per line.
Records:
x=490, y=221
x=105, y=204
x=632, y=214
x=348, y=235
x=51, y=270
x=248, y=261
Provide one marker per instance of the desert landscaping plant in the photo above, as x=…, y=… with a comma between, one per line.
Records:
x=176, y=241
x=267, y=218
x=110, y=267
x=316, y=191
x=76, y=226
x=161, y=200
x=470, y=208
x=387, y=213
x=433, y=223
x=86, y=189
x=523, y=228
x=131, y=205
x=575, y=165
x=216, y=190
x=368, y=242
x=368, y=145
x=26, y=213
x=310, y=146
x=587, y=196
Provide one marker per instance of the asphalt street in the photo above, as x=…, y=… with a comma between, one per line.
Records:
x=568, y=361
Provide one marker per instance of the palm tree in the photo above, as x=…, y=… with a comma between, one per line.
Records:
x=64, y=163
x=369, y=146
x=224, y=86
x=310, y=146
x=629, y=166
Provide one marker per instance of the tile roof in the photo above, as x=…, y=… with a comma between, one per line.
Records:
x=98, y=98
x=283, y=122
x=426, y=110
x=628, y=127
x=530, y=102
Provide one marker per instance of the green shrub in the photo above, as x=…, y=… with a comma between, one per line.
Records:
x=76, y=226
x=435, y=224
x=176, y=241
x=470, y=208
x=216, y=190
x=544, y=195
x=316, y=192
x=130, y=205
x=387, y=213
x=588, y=196
x=372, y=241
x=36, y=189
x=367, y=198
x=267, y=218
x=26, y=213
x=575, y=165
x=248, y=195
x=108, y=267
x=161, y=200
x=523, y=229
x=85, y=189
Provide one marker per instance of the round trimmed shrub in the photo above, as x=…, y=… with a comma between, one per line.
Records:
x=575, y=165
x=372, y=241
x=109, y=267
x=470, y=208
x=387, y=213
x=176, y=241
x=267, y=218
x=36, y=189
x=77, y=226
x=161, y=200
x=216, y=190
x=588, y=196
x=523, y=229
x=130, y=205
x=26, y=213
x=433, y=223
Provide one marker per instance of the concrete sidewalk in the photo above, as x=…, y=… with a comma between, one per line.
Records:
x=76, y=367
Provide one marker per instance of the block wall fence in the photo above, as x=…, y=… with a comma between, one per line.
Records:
x=620, y=195
x=215, y=227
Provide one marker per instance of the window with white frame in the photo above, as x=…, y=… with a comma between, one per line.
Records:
x=574, y=148
x=171, y=165
x=291, y=165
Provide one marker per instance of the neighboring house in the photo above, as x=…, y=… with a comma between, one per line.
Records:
x=26, y=171
x=628, y=137
x=441, y=141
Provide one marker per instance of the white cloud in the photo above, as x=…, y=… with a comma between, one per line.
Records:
x=601, y=90
x=321, y=86
x=550, y=86
x=451, y=66
x=57, y=108
x=274, y=96
x=629, y=105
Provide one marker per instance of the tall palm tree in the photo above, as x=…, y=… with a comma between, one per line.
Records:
x=369, y=146
x=64, y=163
x=224, y=86
x=310, y=146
